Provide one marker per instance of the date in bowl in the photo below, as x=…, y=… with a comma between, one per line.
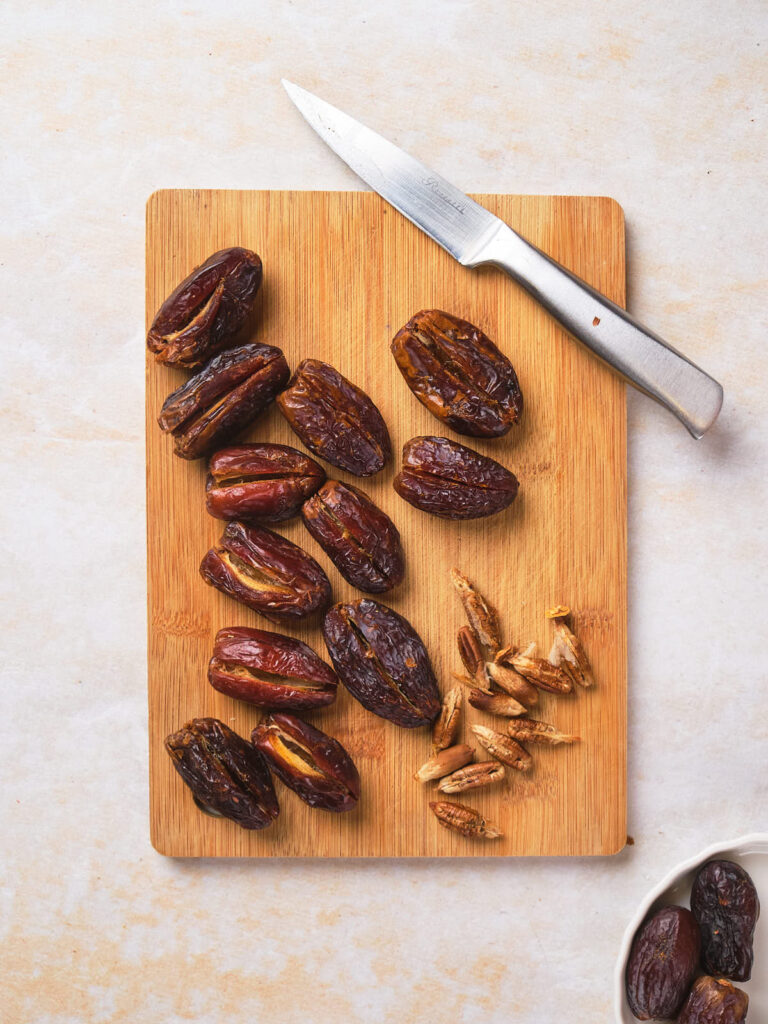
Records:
x=751, y=852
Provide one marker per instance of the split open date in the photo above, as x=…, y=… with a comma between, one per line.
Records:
x=227, y=775
x=270, y=670
x=458, y=374
x=451, y=481
x=217, y=403
x=310, y=762
x=382, y=661
x=203, y=313
x=360, y=539
x=335, y=419
x=260, y=482
x=230, y=777
x=266, y=572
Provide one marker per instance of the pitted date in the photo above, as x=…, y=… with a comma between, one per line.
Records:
x=266, y=572
x=725, y=903
x=202, y=314
x=714, y=1001
x=223, y=398
x=360, y=539
x=226, y=774
x=270, y=670
x=311, y=763
x=457, y=372
x=447, y=479
x=335, y=419
x=260, y=482
x=662, y=964
x=381, y=660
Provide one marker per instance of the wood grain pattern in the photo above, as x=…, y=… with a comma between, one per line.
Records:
x=343, y=272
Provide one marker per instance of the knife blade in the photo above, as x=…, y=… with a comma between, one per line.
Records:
x=474, y=236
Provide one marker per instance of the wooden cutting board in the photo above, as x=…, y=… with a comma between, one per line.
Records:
x=342, y=272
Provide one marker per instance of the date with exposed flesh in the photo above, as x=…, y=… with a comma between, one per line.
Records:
x=260, y=482
x=270, y=670
x=447, y=479
x=311, y=763
x=335, y=419
x=202, y=314
x=381, y=660
x=457, y=372
x=361, y=540
x=223, y=398
x=226, y=774
x=266, y=572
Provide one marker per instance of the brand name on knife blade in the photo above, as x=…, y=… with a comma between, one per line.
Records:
x=434, y=184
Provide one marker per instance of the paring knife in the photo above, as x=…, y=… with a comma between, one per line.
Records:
x=474, y=236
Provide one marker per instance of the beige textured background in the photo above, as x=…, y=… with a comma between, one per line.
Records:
x=660, y=105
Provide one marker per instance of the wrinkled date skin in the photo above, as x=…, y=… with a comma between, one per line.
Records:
x=270, y=670
x=458, y=373
x=223, y=398
x=335, y=419
x=662, y=963
x=724, y=901
x=260, y=482
x=266, y=572
x=360, y=539
x=381, y=660
x=201, y=315
x=714, y=1001
x=311, y=763
x=448, y=480
x=226, y=774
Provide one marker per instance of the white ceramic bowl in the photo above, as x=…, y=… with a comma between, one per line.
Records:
x=752, y=853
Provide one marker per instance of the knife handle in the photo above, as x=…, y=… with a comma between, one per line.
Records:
x=636, y=353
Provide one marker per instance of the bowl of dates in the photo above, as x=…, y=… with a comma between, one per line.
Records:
x=696, y=951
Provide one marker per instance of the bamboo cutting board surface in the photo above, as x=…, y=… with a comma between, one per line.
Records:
x=342, y=272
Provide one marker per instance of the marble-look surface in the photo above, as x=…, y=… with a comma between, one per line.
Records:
x=660, y=105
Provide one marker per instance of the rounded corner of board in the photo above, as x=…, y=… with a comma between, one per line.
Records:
x=159, y=844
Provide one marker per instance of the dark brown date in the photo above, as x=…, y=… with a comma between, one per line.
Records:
x=270, y=670
x=311, y=763
x=260, y=482
x=662, y=964
x=448, y=480
x=223, y=398
x=226, y=774
x=724, y=901
x=201, y=315
x=714, y=1001
x=266, y=572
x=381, y=660
x=361, y=540
x=335, y=419
x=457, y=372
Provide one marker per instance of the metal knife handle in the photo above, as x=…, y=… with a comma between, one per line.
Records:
x=637, y=354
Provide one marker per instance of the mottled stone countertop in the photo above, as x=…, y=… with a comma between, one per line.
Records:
x=660, y=105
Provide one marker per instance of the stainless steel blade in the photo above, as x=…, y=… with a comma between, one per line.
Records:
x=474, y=236
x=448, y=216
